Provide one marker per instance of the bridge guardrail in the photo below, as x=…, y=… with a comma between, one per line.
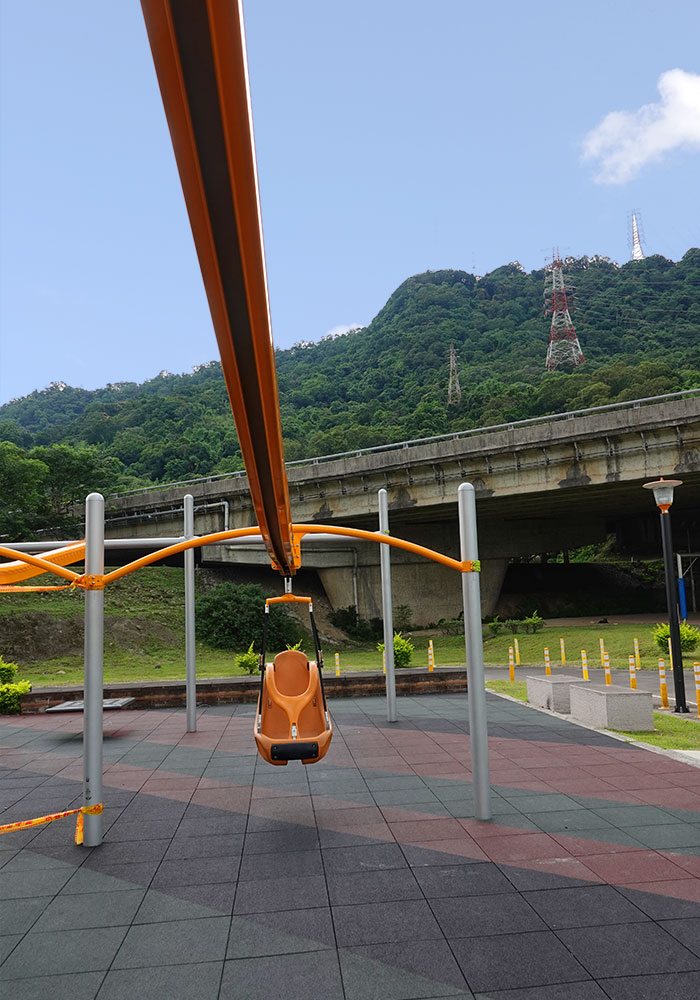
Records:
x=399, y=445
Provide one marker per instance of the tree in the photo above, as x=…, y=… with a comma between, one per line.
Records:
x=22, y=492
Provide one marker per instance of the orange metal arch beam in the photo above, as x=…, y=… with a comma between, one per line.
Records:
x=199, y=53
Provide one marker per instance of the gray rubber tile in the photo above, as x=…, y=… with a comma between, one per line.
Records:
x=631, y=816
x=284, y=977
x=588, y=906
x=67, y=912
x=372, y=857
x=301, y=839
x=194, y=982
x=401, y=971
x=161, y=907
x=510, y=961
x=673, y=986
x=267, y=895
x=668, y=837
x=77, y=986
x=565, y=991
x=461, y=880
x=289, y=863
x=471, y=916
x=63, y=952
x=284, y=932
x=686, y=931
x=29, y=884
x=85, y=880
x=628, y=950
x=194, y=871
x=379, y=923
x=219, y=896
x=34, y=861
x=420, y=857
x=178, y=942
x=19, y=915
x=128, y=852
x=373, y=887
x=659, y=906
x=524, y=879
x=216, y=846
x=142, y=831
x=7, y=943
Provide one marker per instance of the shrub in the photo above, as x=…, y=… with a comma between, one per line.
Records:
x=248, y=661
x=690, y=637
x=513, y=624
x=357, y=628
x=403, y=618
x=403, y=650
x=230, y=616
x=7, y=671
x=10, y=697
x=533, y=623
x=495, y=626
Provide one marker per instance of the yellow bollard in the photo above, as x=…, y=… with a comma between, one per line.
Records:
x=511, y=663
x=606, y=667
x=637, y=657
x=670, y=653
x=337, y=664
x=547, y=664
x=696, y=671
x=662, y=684
x=633, y=673
x=601, y=643
x=383, y=661
x=516, y=648
x=562, y=651
x=584, y=664
x=431, y=656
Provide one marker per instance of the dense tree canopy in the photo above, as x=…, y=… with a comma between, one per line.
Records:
x=639, y=327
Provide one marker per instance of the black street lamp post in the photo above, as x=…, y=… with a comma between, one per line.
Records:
x=663, y=495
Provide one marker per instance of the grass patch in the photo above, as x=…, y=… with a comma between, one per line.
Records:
x=671, y=732
x=516, y=689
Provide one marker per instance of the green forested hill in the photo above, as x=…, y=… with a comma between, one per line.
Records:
x=639, y=327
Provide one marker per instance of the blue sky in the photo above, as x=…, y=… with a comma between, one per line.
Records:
x=393, y=136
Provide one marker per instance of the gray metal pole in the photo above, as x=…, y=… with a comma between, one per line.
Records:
x=190, y=651
x=93, y=682
x=471, y=599
x=387, y=613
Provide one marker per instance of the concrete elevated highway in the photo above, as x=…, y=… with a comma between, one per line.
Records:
x=543, y=485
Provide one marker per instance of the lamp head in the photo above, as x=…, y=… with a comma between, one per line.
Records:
x=663, y=492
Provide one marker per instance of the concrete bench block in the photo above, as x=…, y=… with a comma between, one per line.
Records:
x=551, y=692
x=612, y=707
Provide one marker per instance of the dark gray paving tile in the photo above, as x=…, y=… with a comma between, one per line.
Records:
x=161, y=907
x=301, y=839
x=128, y=852
x=627, y=950
x=378, y=923
x=509, y=961
x=371, y=857
x=195, y=982
x=283, y=932
x=267, y=895
x=27, y=884
x=19, y=915
x=673, y=986
x=401, y=971
x=7, y=943
x=573, y=819
x=67, y=912
x=193, y=871
x=405, y=796
x=586, y=906
x=335, y=838
x=76, y=986
x=287, y=864
x=220, y=824
x=178, y=942
x=462, y=880
x=373, y=887
x=419, y=857
x=661, y=907
x=142, y=831
x=524, y=879
x=215, y=846
x=506, y=913
x=63, y=952
x=566, y=991
x=687, y=931
x=136, y=874
x=534, y=804
x=33, y=861
x=218, y=896
x=284, y=977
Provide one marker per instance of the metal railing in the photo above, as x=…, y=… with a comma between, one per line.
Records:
x=631, y=404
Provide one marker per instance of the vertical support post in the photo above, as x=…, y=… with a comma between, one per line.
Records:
x=516, y=647
x=672, y=602
x=584, y=664
x=94, y=664
x=637, y=655
x=511, y=664
x=474, y=647
x=562, y=651
x=663, y=688
x=190, y=648
x=696, y=672
x=601, y=643
x=387, y=609
x=633, y=672
x=606, y=667
x=547, y=664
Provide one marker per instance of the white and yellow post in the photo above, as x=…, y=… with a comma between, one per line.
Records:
x=633, y=672
x=431, y=656
x=637, y=657
x=337, y=664
x=384, y=660
x=584, y=664
x=606, y=667
x=696, y=671
x=511, y=663
x=547, y=664
x=562, y=652
x=516, y=649
x=601, y=643
x=663, y=690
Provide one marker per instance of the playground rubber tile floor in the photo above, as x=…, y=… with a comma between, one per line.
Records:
x=365, y=877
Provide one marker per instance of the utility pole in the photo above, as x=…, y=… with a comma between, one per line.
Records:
x=564, y=350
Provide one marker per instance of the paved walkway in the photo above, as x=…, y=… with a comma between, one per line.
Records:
x=364, y=876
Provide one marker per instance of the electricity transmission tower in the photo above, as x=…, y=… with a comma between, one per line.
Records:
x=454, y=392
x=564, y=350
x=636, y=238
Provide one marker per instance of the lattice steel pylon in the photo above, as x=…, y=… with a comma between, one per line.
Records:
x=454, y=391
x=564, y=350
x=637, y=252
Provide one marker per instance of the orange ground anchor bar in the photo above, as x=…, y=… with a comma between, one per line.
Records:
x=200, y=59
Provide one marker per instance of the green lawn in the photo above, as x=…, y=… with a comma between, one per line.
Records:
x=516, y=689
x=672, y=732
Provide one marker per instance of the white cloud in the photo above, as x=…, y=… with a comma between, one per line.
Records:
x=343, y=328
x=625, y=141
